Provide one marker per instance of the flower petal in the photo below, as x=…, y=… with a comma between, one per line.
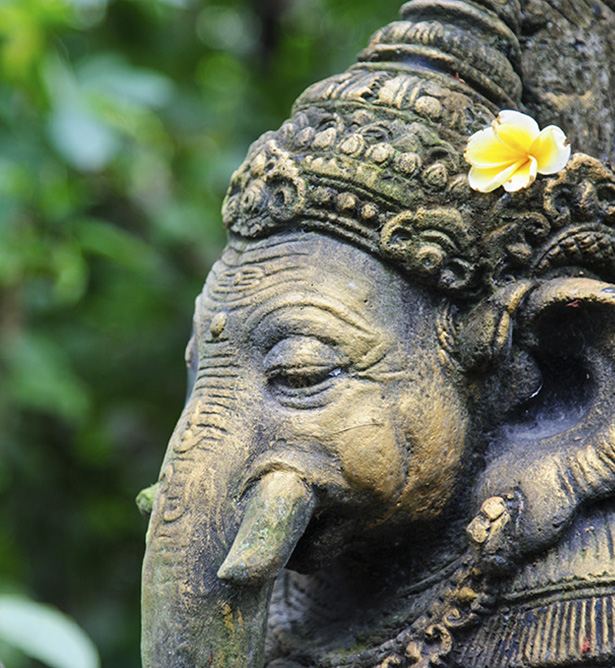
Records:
x=551, y=150
x=523, y=177
x=487, y=179
x=515, y=129
x=485, y=150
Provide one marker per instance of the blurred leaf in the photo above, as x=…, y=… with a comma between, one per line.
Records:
x=39, y=376
x=83, y=141
x=60, y=195
x=23, y=40
x=114, y=243
x=12, y=657
x=228, y=28
x=86, y=4
x=182, y=222
x=14, y=178
x=110, y=74
x=88, y=13
x=59, y=79
x=25, y=27
x=46, y=634
x=71, y=273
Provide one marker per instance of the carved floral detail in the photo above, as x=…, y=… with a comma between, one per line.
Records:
x=264, y=191
x=431, y=243
x=585, y=191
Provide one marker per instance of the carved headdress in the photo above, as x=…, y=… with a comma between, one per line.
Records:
x=375, y=156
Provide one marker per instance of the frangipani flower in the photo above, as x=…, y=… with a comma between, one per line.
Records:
x=512, y=151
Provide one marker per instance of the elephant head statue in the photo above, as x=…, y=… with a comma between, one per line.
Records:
x=398, y=447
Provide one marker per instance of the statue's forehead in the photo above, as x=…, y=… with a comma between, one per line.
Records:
x=245, y=267
x=303, y=272
x=251, y=271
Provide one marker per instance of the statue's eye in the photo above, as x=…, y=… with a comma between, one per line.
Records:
x=301, y=364
x=303, y=378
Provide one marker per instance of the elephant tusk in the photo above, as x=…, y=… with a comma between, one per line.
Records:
x=276, y=517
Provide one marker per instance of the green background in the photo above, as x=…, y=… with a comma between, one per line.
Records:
x=121, y=122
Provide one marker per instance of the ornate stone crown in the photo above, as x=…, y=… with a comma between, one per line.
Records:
x=374, y=156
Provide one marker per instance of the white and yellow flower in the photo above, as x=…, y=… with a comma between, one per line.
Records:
x=512, y=151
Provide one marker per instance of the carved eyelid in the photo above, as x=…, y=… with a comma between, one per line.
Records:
x=331, y=324
x=300, y=368
x=306, y=353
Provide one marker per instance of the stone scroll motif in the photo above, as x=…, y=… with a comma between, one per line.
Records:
x=398, y=448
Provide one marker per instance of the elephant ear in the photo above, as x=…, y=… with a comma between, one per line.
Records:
x=486, y=334
x=568, y=324
x=575, y=295
x=533, y=336
x=554, y=448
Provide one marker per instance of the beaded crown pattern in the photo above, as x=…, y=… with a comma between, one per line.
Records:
x=375, y=156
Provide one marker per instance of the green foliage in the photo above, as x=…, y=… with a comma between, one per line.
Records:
x=120, y=124
x=44, y=633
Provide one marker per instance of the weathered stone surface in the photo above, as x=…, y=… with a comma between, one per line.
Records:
x=568, y=49
x=399, y=448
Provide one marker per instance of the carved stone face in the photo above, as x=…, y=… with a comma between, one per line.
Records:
x=315, y=365
x=343, y=420
x=325, y=416
x=340, y=376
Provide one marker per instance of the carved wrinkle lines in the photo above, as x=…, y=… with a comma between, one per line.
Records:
x=251, y=258
x=212, y=431
x=357, y=426
x=218, y=361
x=175, y=485
x=276, y=280
x=207, y=423
x=216, y=408
x=206, y=391
x=233, y=280
x=217, y=378
x=237, y=247
x=224, y=372
x=223, y=396
x=209, y=411
x=193, y=438
x=225, y=406
x=293, y=308
x=209, y=428
x=169, y=552
x=204, y=387
x=384, y=375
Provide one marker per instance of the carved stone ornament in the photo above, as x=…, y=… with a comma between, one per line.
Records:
x=398, y=449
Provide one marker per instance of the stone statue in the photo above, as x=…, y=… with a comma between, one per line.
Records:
x=399, y=444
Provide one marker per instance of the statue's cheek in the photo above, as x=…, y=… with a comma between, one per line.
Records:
x=435, y=423
x=357, y=431
x=371, y=461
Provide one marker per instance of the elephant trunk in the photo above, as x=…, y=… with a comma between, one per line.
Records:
x=213, y=551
